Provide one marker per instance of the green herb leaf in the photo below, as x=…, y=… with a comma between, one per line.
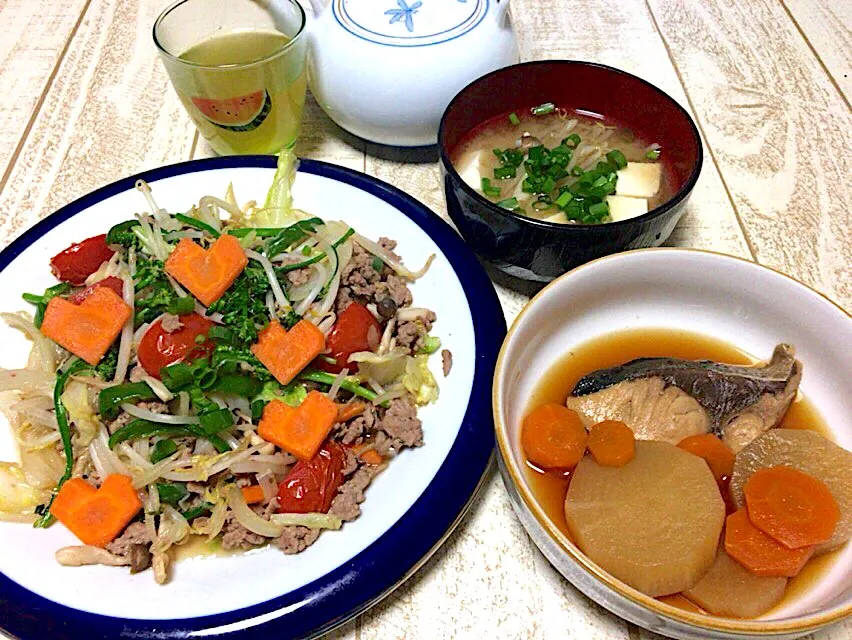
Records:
x=162, y=450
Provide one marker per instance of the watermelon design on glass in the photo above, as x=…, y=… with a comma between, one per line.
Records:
x=243, y=113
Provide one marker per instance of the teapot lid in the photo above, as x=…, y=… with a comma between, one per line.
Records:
x=409, y=23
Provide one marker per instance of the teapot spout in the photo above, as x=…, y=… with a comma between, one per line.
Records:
x=500, y=12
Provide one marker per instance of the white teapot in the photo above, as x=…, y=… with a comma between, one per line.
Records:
x=385, y=70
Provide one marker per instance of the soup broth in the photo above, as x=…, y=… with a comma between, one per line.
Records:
x=550, y=487
x=564, y=166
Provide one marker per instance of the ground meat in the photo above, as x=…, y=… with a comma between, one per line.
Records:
x=135, y=545
x=354, y=430
x=134, y=534
x=351, y=464
x=122, y=420
x=389, y=245
x=171, y=323
x=360, y=280
x=298, y=277
x=136, y=374
x=236, y=536
x=399, y=427
x=351, y=494
x=359, y=275
x=396, y=289
x=296, y=539
x=446, y=361
x=154, y=407
x=411, y=335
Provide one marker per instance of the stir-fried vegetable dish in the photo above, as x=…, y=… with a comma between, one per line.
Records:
x=240, y=373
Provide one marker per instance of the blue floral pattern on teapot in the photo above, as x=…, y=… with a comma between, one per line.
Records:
x=411, y=23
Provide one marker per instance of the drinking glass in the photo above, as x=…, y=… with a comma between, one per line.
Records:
x=238, y=67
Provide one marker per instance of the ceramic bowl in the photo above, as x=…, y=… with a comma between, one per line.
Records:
x=535, y=250
x=727, y=298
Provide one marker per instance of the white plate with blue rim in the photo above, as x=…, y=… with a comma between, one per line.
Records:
x=410, y=508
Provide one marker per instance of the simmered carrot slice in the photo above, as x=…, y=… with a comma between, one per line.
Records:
x=758, y=552
x=207, y=273
x=792, y=507
x=716, y=453
x=612, y=443
x=87, y=329
x=553, y=437
x=286, y=353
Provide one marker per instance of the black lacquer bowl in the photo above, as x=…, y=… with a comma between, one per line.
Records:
x=539, y=251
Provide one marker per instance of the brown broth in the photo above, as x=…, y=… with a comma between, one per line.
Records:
x=617, y=348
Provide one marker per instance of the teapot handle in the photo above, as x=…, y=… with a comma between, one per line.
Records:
x=499, y=13
x=317, y=6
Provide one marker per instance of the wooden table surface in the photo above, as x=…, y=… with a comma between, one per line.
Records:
x=768, y=82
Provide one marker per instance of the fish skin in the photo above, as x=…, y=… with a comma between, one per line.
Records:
x=723, y=390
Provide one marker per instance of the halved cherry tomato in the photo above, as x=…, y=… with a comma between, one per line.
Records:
x=311, y=485
x=159, y=348
x=81, y=260
x=116, y=284
x=356, y=329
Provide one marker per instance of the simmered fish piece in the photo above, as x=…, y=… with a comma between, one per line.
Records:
x=669, y=399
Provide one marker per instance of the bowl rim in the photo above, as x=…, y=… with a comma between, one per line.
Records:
x=753, y=628
x=656, y=212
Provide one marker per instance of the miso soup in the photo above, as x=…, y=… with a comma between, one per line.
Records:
x=564, y=166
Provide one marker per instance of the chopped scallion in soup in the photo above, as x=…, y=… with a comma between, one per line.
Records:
x=561, y=166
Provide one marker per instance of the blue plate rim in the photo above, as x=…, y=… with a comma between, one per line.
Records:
x=362, y=581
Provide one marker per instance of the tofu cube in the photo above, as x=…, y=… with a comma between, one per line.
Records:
x=639, y=180
x=468, y=169
x=624, y=208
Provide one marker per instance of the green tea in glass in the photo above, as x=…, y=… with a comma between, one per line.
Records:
x=238, y=67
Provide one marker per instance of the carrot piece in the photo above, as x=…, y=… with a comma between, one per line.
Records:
x=253, y=494
x=302, y=430
x=553, y=437
x=758, y=552
x=87, y=329
x=71, y=496
x=96, y=517
x=612, y=443
x=286, y=353
x=350, y=410
x=716, y=454
x=207, y=273
x=372, y=457
x=792, y=507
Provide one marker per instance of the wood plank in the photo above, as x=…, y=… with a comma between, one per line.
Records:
x=110, y=112
x=827, y=26
x=33, y=36
x=489, y=578
x=778, y=129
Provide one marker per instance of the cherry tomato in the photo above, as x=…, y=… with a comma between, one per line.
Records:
x=312, y=484
x=356, y=329
x=116, y=284
x=159, y=348
x=81, y=260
